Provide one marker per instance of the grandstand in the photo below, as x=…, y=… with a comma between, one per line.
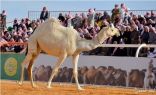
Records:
x=136, y=27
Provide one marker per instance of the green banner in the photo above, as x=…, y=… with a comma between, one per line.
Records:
x=11, y=65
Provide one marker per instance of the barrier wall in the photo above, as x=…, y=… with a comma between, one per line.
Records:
x=114, y=71
x=126, y=63
x=119, y=71
x=10, y=65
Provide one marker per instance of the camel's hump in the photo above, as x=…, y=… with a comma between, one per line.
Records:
x=53, y=19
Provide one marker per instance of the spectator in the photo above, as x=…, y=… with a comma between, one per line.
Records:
x=152, y=53
x=1, y=26
x=61, y=18
x=85, y=32
x=116, y=13
x=144, y=52
x=152, y=35
x=22, y=24
x=147, y=16
x=145, y=35
x=27, y=23
x=123, y=10
x=134, y=38
x=93, y=32
x=77, y=21
x=134, y=35
x=127, y=35
x=69, y=20
x=103, y=23
x=97, y=17
x=153, y=16
x=106, y=16
x=97, y=28
x=150, y=22
x=15, y=25
x=84, y=20
x=120, y=51
x=30, y=31
x=3, y=15
x=91, y=15
x=44, y=14
x=141, y=19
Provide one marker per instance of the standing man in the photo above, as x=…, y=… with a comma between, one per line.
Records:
x=91, y=15
x=44, y=14
x=3, y=20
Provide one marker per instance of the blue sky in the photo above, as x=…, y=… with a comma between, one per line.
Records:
x=19, y=8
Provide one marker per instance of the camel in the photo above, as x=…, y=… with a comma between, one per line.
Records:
x=81, y=73
x=89, y=76
x=66, y=74
x=120, y=77
x=100, y=75
x=150, y=78
x=42, y=73
x=136, y=78
x=61, y=42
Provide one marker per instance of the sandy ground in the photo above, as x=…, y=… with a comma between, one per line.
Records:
x=12, y=88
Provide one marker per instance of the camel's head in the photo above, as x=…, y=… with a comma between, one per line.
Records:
x=107, y=32
x=111, y=31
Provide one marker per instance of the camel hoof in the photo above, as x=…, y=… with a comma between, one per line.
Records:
x=34, y=86
x=49, y=86
x=19, y=82
x=80, y=89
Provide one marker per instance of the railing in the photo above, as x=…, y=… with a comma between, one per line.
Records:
x=139, y=46
x=33, y=15
x=15, y=43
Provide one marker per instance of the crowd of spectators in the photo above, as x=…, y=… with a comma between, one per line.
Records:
x=134, y=29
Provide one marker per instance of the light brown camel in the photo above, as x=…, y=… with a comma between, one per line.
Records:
x=150, y=78
x=61, y=42
x=136, y=78
x=89, y=76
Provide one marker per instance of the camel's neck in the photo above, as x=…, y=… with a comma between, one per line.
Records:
x=86, y=45
x=101, y=37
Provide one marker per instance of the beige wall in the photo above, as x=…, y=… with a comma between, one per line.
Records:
x=125, y=63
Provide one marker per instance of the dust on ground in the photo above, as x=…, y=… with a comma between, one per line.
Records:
x=12, y=88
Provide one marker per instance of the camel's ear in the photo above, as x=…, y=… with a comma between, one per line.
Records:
x=106, y=28
x=117, y=32
x=112, y=25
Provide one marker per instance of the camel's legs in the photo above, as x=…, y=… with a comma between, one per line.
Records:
x=30, y=69
x=26, y=61
x=75, y=71
x=55, y=70
x=127, y=79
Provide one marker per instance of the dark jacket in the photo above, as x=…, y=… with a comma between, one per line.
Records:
x=145, y=37
x=44, y=15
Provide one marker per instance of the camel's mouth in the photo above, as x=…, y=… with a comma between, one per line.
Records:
x=117, y=34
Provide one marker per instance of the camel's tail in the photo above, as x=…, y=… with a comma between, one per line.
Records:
x=35, y=47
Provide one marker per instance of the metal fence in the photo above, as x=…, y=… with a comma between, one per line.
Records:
x=33, y=15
